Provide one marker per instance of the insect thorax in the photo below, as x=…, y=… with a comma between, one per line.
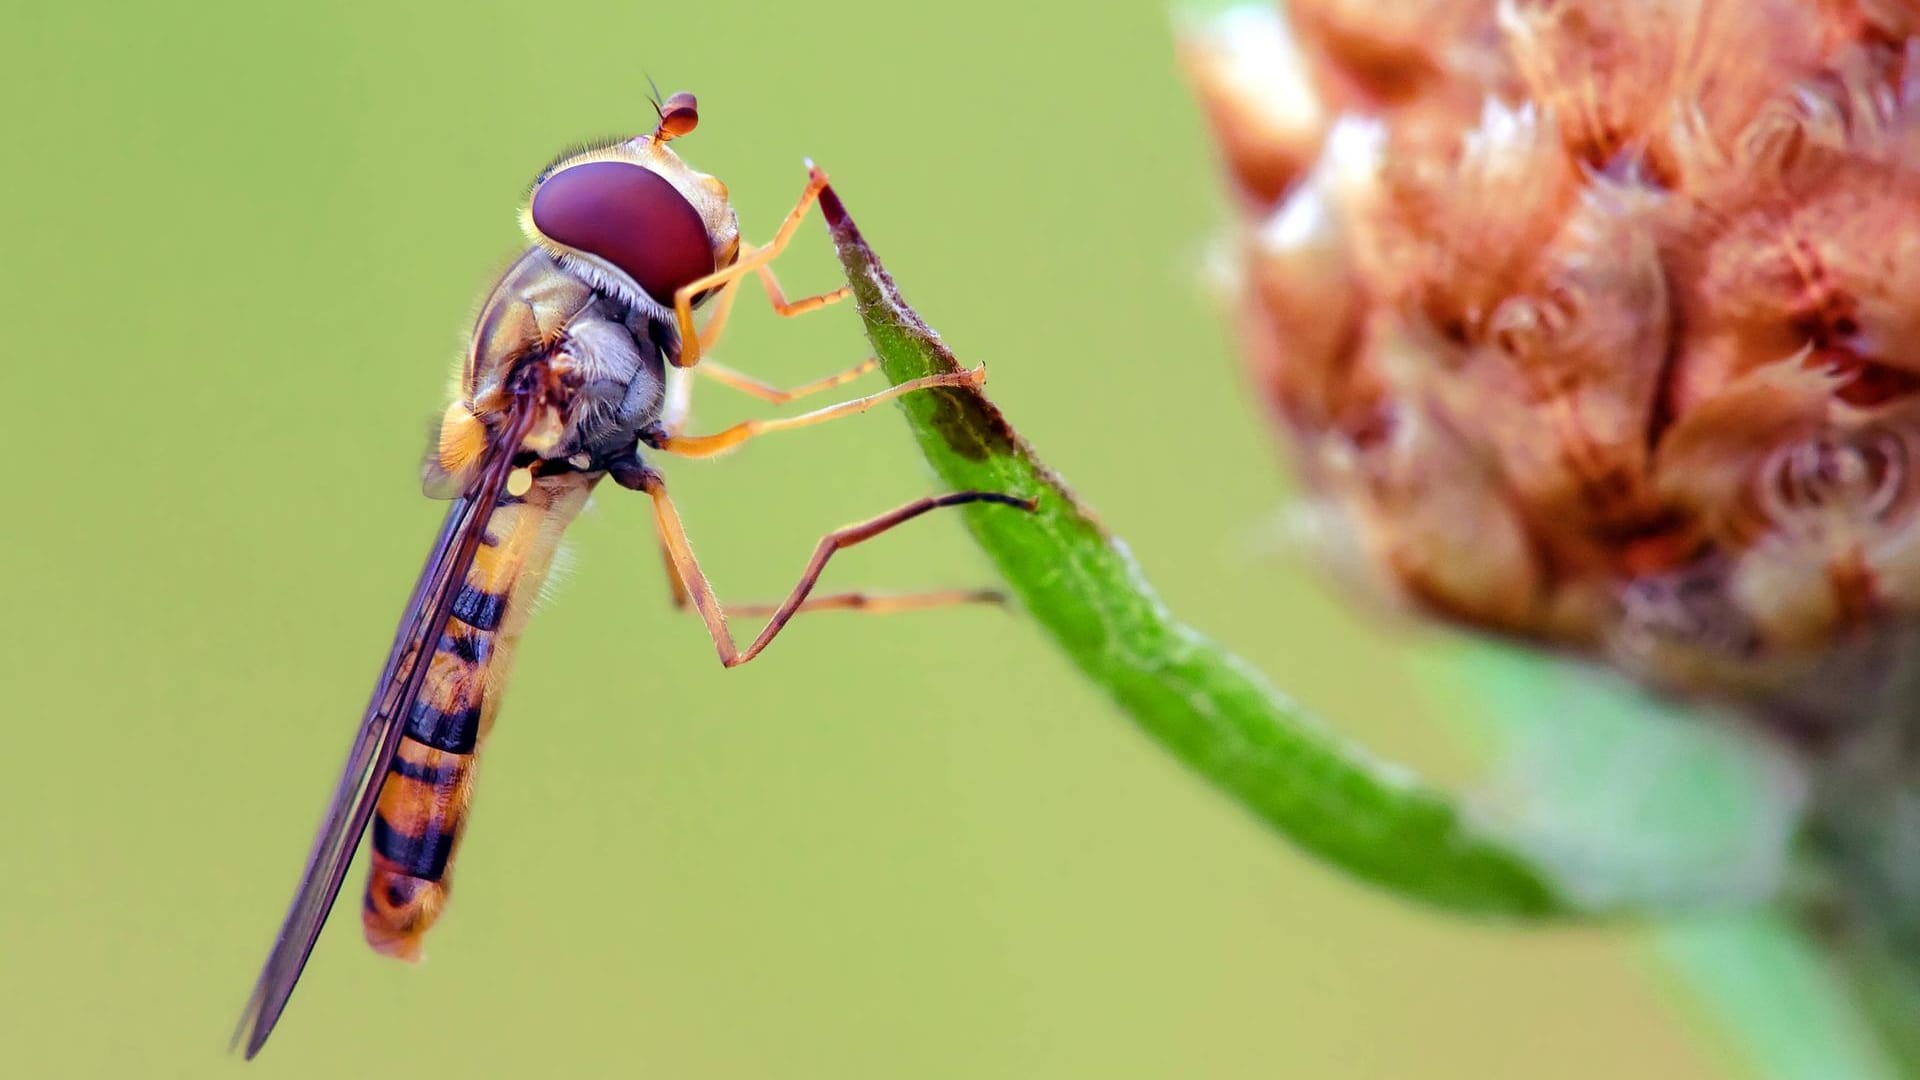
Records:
x=607, y=354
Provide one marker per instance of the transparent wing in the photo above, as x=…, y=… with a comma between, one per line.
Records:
x=380, y=729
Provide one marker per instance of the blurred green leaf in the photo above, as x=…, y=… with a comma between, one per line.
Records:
x=1772, y=990
x=1201, y=703
x=1637, y=804
x=1648, y=805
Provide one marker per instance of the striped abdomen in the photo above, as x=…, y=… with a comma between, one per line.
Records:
x=423, y=802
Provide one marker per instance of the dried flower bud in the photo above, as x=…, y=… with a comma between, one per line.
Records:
x=1248, y=74
x=1599, y=322
x=1370, y=56
x=1304, y=294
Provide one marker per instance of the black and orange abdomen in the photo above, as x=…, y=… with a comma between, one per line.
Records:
x=424, y=799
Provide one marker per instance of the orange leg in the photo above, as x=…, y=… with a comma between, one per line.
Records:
x=766, y=391
x=722, y=441
x=716, y=321
x=786, y=308
x=776, y=296
x=751, y=261
x=864, y=602
x=871, y=603
x=694, y=588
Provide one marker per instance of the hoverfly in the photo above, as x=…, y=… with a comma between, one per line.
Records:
x=576, y=363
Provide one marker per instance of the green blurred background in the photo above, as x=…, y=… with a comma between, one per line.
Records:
x=243, y=244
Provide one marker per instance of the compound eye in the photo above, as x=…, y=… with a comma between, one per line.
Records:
x=630, y=216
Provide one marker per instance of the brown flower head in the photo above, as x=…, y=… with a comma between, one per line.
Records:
x=1598, y=322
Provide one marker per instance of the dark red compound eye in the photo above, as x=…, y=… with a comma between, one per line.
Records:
x=630, y=216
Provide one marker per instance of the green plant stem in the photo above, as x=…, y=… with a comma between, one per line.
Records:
x=1772, y=990
x=1794, y=981
x=1202, y=704
x=1863, y=850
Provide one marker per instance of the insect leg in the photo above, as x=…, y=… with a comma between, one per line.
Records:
x=749, y=262
x=698, y=592
x=877, y=603
x=786, y=308
x=869, y=603
x=717, y=321
x=722, y=441
x=776, y=296
x=674, y=416
x=766, y=391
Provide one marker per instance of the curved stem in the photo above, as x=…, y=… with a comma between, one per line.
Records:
x=1201, y=703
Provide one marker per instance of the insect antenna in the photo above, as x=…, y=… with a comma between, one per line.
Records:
x=678, y=113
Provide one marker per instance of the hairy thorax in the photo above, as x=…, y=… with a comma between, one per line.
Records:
x=606, y=356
